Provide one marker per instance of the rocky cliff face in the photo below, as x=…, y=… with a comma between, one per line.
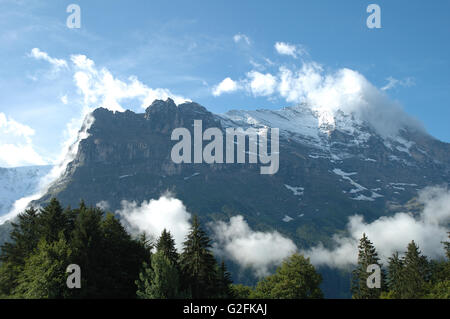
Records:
x=326, y=172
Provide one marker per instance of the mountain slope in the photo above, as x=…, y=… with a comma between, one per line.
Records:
x=19, y=182
x=328, y=171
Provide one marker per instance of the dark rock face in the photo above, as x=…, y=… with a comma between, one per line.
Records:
x=127, y=157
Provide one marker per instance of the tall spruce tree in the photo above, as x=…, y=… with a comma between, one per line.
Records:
x=367, y=255
x=224, y=282
x=88, y=251
x=166, y=245
x=395, y=277
x=197, y=263
x=24, y=239
x=52, y=221
x=415, y=273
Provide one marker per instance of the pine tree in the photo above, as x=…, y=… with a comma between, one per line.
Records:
x=24, y=239
x=415, y=273
x=120, y=260
x=166, y=245
x=224, y=282
x=52, y=221
x=197, y=263
x=88, y=251
x=395, y=276
x=367, y=256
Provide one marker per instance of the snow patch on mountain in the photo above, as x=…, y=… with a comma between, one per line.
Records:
x=296, y=190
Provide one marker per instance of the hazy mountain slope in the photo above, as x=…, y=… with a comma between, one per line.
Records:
x=19, y=182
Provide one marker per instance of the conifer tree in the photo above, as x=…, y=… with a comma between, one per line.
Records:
x=88, y=250
x=166, y=245
x=395, y=276
x=415, y=273
x=24, y=239
x=224, y=282
x=197, y=263
x=367, y=255
x=52, y=221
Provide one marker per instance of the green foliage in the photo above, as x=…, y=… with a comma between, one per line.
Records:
x=240, y=291
x=43, y=244
x=160, y=280
x=198, y=264
x=415, y=273
x=395, y=276
x=166, y=245
x=296, y=278
x=44, y=274
x=440, y=290
x=223, y=283
x=414, y=276
x=367, y=255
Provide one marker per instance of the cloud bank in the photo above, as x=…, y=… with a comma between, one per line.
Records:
x=326, y=92
x=235, y=240
x=153, y=216
x=257, y=250
x=16, y=144
x=391, y=234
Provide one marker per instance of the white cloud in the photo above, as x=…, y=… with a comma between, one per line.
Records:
x=41, y=55
x=241, y=37
x=226, y=86
x=64, y=99
x=257, y=250
x=392, y=233
x=261, y=84
x=16, y=144
x=153, y=216
x=326, y=93
x=100, y=88
x=289, y=49
x=393, y=82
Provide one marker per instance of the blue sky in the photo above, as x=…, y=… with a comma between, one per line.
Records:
x=189, y=47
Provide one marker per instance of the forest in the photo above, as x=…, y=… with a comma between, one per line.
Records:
x=115, y=264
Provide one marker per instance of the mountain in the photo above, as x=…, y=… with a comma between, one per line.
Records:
x=328, y=170
x=19, y=182
x=330, y=167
